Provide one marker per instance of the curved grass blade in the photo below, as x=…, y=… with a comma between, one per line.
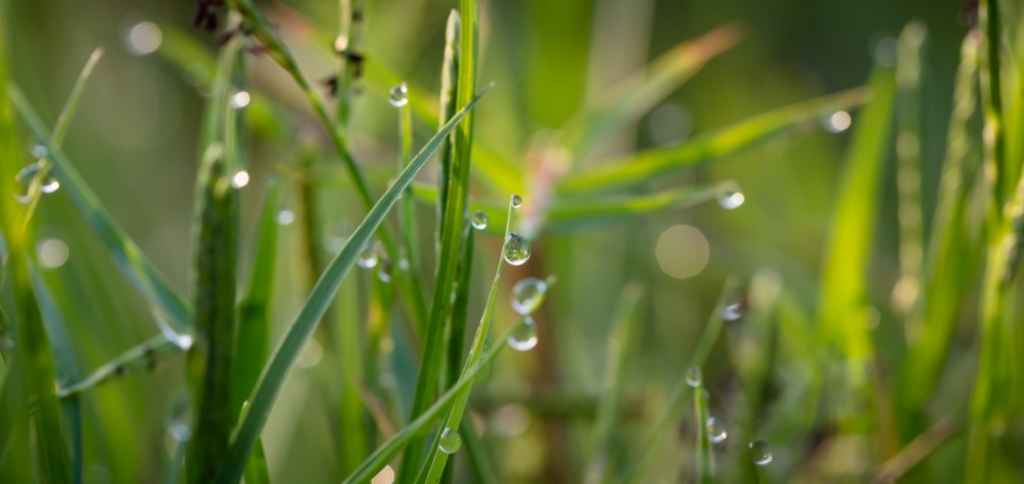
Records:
x=424, y=422
x=637, y=95
x=674, y=409
x=654, y=163
x=844, y=298
x=167, y=306
x=272, y=378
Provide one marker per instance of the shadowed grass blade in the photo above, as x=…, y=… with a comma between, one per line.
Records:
x=272, y=378
x=658, y=162
x=843, y=307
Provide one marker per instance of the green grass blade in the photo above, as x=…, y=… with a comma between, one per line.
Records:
x=909, y=146
x=272, y=378
x=449, y=93
x=426, y=420
x=634, y=97
x=620, y=345
x=704, y=458
x=674, y=408
x=650, y=164
x=844, y=299
x=168, y=307
x=948, y=270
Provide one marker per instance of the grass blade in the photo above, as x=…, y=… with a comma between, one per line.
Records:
x=844, y=299
x=316, y=305
x=704, y=457
x=658, y=162
x=167, y=306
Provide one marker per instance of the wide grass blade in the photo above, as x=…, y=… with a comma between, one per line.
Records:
x=272, y=378
x=843, y=307
x=167, y=306
x=650, y=164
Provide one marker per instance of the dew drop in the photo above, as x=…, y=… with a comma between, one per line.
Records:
x=240, y=179
x=693, y=376
x=51, y=186
x=52, y=253
x=716, y=431
x=450, y=441
x=479, y=220
x=384, y=272
x=179, y=430
x=517, y=249
x=760, y=452
x=524, y=336
x=731, y=199
x=184, y=341
x=528, y=294
x=368, y=258
x=732, y=312
x=838, y=122
x=398, y=96
x=517, y=201
x=144, y=38
x=240, y=99
x=39, y=151
x=403, y=264
x=285, y=217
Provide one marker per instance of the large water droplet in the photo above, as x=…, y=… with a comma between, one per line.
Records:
x=368, y=258
x=240, y=179
x=693, y=376
x=517, y=249
x=838, y=121
x=760, y=453
x=240, y=99
x=479, y=220
x=528, y=294
x=517, y=201
x=524, y=336
x=52, y=253
x=732, y=312
x=144, y=38
x=398, y=96
x=450, y=441
x=731, y=199
x=716, y=431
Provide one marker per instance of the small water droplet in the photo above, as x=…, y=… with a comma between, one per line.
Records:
x=184, y=341
x=403, y=264
x=39, y=151
x=516, y=250
x=528, y=294
x=517, y=201
x=450, y=441
x=479, y=220
x=240, y=179
x=524, y=336
x=384, y=272
x=27, y=175
x=760, y=452
x=693, y=376
x=368, y=258
x=732, y=312
x=731, y=199
x=51, y=186
x=716, y=431
x=144, y=38
x=398, y=96
x=52, y=253
x=180, y=431
x=240, y=99
x=838, y=122
x=285, y=217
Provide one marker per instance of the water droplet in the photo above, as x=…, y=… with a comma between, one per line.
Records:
x=528, y=294
x=180, y=431
x=398, y=96
x=517, y=201
x=285, y=217
x=240, y=179
x=240, y=99
x=524, y=336
x=479, y=220
x=716, y=431
x=144, y=38
x=52, y=253
x=731, y=199
x=368, y=258
x=517, y=249
x=732, y=312
x=184, y=341
x=39, y=151
x=838, y=122
x=760, y=452
x=403, y=264
x=693, y=376
x=384, y=273
x=27, y=175
x=51, y=186
x=450, y=441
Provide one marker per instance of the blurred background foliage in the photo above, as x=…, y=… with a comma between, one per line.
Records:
x=135, y=140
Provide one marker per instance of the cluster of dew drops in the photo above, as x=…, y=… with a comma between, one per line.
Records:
x=760, y=452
